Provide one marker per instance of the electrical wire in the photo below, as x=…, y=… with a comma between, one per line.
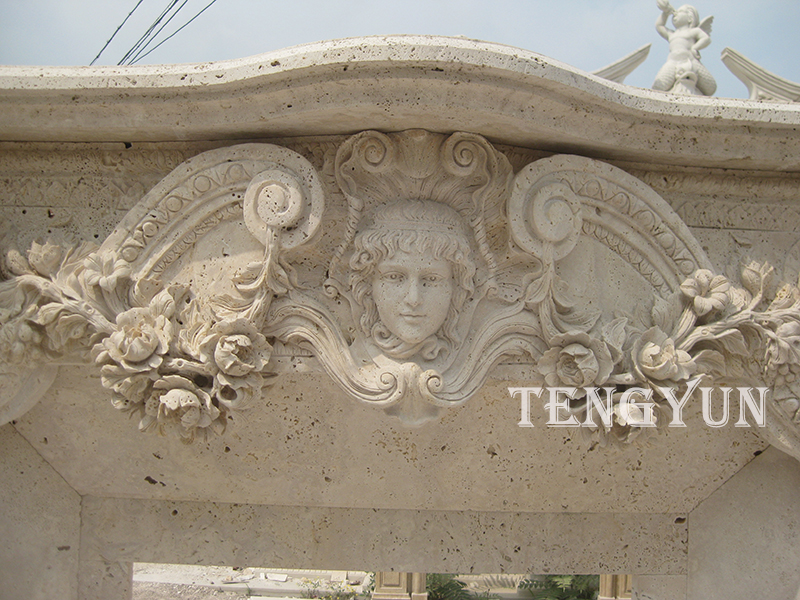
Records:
x=135, y=57
x=147, y=33
x=141, y=56
x=115, y=33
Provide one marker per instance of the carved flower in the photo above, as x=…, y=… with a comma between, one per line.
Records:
x=66, y=331
x=105, y=270
x=45, y=258
x=576, y=360
x=630, y=413
x=708, y=291
x=142, y=336
x=237, y=392
x=236, y=349
x=178, y=402
x=655, y=357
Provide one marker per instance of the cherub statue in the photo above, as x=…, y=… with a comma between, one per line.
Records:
x=412, y=272
x=683, y=73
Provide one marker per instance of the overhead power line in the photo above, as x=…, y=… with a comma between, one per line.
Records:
x=147, y=33
x=125, y=20
x=141, y=56
x=138, y=54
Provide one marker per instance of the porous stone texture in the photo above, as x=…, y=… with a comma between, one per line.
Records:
x=746, y=533
x=39, y=524
x=384, y=540
x=660, y=586
x=228, y=307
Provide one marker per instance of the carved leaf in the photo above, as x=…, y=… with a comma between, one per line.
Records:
x=733, y=342
x=614, y=336
x=666, y=313
x=710, y=361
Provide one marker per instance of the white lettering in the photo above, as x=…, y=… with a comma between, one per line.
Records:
x=555, y=406
x=639, y=414
x=604, y=409
x=746, y=399
x=677, y=407
x=525, y=403
x=726, y=392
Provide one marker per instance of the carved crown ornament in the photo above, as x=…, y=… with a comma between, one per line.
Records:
x=429, y=266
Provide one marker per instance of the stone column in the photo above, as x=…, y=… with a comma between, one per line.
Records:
x=394, y=585
x=614, y=587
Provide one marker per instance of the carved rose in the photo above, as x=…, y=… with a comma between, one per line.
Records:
x=707, y=291
x=235, y=348
x=105, y=270
x=576, y=360
x=237, y=392
x=142, y=336
x=655, y=357
x=177, y=402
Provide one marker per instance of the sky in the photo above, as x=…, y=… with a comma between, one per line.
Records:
x=587, y=34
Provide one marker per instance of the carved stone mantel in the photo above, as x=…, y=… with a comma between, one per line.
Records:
x=430, y=264
x=228, y=269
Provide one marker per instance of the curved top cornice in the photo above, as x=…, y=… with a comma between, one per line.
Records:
x=392, y=83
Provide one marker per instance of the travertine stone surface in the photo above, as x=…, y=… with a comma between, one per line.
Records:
x=256, y=300
x=376, y=539
x=39, y=525
x=659, y=587
x=746, y=533
x=393, y=83
x=310, y=445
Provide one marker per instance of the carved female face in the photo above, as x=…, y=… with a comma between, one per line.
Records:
x=412, y=272
x=413, y=291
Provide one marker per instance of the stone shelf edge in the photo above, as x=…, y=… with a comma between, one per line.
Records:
x=510, y=95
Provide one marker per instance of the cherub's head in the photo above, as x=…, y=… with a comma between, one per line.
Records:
x=412, y=272
x=686, y=15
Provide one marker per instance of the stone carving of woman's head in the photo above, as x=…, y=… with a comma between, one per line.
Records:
x=411, y=273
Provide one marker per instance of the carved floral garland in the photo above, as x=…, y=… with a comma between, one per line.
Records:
x=186, y=364
x=172, y=361
x=180, y=367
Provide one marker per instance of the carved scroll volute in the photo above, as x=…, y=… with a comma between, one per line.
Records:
x=176, y=356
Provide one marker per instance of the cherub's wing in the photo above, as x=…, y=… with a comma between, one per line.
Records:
x=705, y=24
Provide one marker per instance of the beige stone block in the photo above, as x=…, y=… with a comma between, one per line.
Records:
x=745, y=538
x=39, y=525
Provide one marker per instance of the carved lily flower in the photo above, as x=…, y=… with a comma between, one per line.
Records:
x=576, y=360
x=142, y=336
x=45, y=258
x=176, y=401
x=656, y=357
x=708, y=291
x=105, y=270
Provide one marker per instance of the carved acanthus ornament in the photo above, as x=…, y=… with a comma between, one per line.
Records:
x=437, y=264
